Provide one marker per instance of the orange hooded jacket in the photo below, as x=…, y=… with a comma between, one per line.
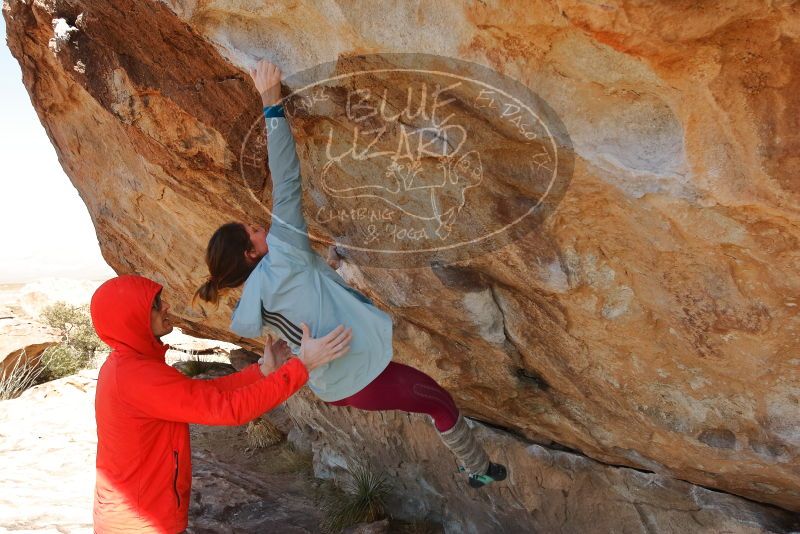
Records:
x=144, y=470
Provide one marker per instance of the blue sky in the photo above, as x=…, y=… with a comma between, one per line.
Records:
x=45, y=229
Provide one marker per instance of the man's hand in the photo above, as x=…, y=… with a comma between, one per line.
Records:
x=267, y=78
x=317, y=352
x=276, y=352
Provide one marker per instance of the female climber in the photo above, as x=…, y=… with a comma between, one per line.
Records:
x=292, y=291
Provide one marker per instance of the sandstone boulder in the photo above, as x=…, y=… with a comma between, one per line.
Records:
x=650, y=320
x=22, y=341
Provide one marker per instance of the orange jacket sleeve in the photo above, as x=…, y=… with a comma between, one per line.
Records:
x=248, y=375
x=162, y=392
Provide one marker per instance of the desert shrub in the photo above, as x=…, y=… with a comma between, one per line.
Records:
x=262, y=433
x=195, y=365
x=360, y=500
x=18, y=378
x=74, y=325
x=79, y=342
x=62, y=360
x=284, y=458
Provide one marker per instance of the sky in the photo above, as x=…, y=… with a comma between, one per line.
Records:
x=45, y=229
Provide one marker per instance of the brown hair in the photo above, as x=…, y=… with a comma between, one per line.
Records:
x=226, y=261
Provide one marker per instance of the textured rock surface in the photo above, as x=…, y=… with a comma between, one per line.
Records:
x=651, y=322
x=21, y=341
x=377, y=527
x=229, y=498
x=548, y=490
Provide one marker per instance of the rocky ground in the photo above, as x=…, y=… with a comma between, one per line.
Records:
x=20, y=329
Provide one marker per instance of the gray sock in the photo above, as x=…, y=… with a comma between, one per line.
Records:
x=466, y=449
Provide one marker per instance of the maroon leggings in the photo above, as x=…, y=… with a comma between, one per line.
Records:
x=400, y=387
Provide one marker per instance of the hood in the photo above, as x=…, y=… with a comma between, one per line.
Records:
x=120, y=311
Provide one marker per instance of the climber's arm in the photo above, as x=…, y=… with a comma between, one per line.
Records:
x=288, y=223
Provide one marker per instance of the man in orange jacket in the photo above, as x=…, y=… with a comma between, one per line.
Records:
x=143, y=406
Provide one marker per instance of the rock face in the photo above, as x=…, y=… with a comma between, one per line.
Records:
x=548, y=490
x=23, y=342
x=650, y=320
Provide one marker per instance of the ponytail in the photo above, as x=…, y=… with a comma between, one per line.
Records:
x=208, y=292
x=225, y=258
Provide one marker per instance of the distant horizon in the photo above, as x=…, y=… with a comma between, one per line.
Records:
x=6, y=285
x=46, y=230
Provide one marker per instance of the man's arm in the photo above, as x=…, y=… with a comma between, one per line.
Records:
x=242, y=378
x=276, y=353
x=162, y=392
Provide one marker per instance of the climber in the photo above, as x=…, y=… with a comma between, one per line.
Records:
x=286, y=282
x=143, y=405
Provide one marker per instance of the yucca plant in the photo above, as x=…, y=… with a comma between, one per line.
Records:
x=195, y=365
x=18, y=378
x=262, y=433
x=363, y=500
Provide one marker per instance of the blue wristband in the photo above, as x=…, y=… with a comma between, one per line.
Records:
x=274, y=111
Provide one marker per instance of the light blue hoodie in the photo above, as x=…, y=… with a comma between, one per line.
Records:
x=293, y=284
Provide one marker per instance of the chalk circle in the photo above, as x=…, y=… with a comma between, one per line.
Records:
x=410, y=160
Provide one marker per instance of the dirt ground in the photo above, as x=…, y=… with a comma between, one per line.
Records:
x=239, y=490
x=264, y=490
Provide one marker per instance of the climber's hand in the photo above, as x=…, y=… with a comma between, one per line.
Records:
x=333, y=259
x=267, y=79
x=276, y=352
x=281, y=351
x=268, y=363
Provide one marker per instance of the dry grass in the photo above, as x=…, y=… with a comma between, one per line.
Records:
x=285, y=458
x=360, y=500
x=262, y=433
x=195, y=364
x=18, y=378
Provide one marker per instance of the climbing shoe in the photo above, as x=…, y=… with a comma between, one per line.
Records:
x=495, y=473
